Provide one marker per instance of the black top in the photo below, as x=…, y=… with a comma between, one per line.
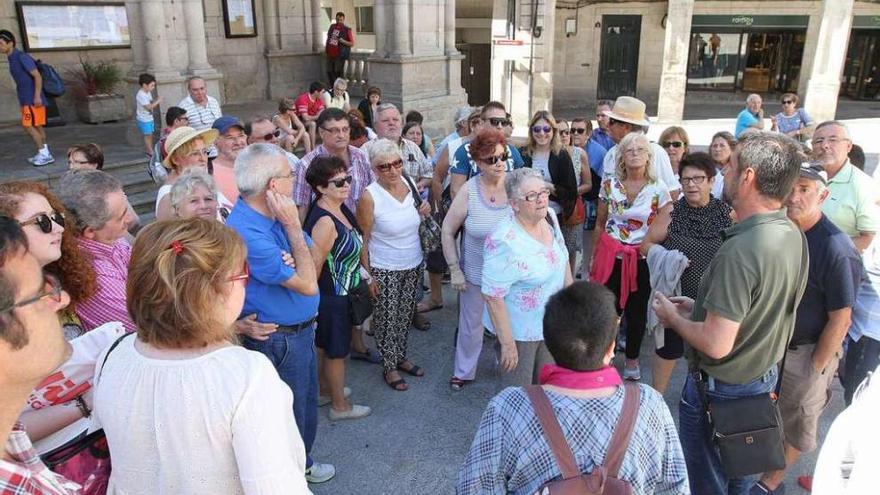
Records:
x=562, y=175
x=364, y=107
x=832, y=283
x=696, y=232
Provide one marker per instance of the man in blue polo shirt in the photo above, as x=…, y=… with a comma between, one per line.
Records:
x=266, y=217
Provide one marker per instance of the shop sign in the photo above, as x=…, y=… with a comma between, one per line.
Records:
x=866, y=21
x=509, y=49
x=751, y=21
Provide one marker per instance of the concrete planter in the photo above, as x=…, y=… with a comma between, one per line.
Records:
x=102, y=108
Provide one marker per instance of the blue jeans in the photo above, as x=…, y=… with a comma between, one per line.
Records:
x=705, y=473
x=862, y=357
x=294, y=356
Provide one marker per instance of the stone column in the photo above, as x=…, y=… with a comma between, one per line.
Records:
x=155, y=37
x=380, y=13
x=317, y=29
x=823, y=87
x=196, y=43
x=449, y=28
x=673, y=81
x=270, y=25
x=401, y=22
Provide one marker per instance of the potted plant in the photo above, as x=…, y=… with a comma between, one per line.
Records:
x=92, y=86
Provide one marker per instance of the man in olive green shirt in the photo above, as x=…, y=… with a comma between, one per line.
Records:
x=744, y=315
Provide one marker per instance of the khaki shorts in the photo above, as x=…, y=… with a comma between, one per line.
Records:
x=803, y=396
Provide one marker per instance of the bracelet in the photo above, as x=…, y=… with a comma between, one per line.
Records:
x=83, y=408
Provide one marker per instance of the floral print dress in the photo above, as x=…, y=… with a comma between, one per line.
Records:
x=628, y=223
x=524, y=272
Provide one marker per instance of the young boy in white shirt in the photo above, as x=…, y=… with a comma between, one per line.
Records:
x=144, y=109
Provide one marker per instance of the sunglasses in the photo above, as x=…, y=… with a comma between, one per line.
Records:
x=384, y=167
x=499, y=122
x=274, y=134
x=787, y=102
x=51, y=289
x=44, y=221
x=341, y=182
x=492, y=160
x=542, y=129
x=672, y=144
x=578, y=130
x=244, y=276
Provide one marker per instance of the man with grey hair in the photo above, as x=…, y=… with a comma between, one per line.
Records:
x=389, y=125
x=852, y=206
x=752, y=117
x=100, y=212
x=744, y=315
x=201, y=108
x=267, y=219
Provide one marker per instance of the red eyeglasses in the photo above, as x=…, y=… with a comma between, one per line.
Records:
x=244, y=276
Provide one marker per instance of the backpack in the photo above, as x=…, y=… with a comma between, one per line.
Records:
x=603, y=480
x=53, y=85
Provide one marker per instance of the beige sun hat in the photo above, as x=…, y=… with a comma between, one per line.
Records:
x=183, y=135
x=630, y=110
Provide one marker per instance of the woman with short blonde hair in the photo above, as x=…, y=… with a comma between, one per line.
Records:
x=225, y=413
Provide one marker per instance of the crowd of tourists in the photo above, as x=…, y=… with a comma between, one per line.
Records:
x=221, y=329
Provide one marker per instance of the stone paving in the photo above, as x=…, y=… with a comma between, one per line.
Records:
x=415, y=441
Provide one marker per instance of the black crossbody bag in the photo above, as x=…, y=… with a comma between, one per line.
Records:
x=748, y=430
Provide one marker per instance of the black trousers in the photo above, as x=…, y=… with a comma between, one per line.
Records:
x=636, y=310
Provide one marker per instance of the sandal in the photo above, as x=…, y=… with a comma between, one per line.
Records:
x=457, y=383
x=421, y=323
x=398, y=385
x=370, y=356
x=413, y=370
x=428, y=307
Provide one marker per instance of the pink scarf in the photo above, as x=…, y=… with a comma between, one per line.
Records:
x=552, y=374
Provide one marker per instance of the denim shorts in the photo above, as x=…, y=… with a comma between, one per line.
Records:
x=146, y=128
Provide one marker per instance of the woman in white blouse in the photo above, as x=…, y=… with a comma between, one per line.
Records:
x=185, y=410
x=629, y=201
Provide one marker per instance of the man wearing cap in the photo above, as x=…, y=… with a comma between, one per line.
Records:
x=29, y=86
x=628, y=115
x=461, y=130
x=752, y=117
x=229, y=143
x=823, y=317
x=739, y=327
x=852, y=206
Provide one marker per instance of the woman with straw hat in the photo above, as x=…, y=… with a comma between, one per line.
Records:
x=186, y=148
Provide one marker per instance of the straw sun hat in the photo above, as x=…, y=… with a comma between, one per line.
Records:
x=183, y=135
x=630, y=110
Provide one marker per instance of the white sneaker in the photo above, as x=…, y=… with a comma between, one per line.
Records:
x=41, y=160
x=356, y=412
x=323, y=400
x=320, y=473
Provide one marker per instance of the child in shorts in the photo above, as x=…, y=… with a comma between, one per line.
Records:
x=144, y=109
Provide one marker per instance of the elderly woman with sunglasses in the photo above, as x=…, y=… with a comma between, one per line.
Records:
x=629, y=202
x=524, y=263
x=479, y=208
x=573, y=233
x=674, y=140
x=225, y=413
x=337, y=254
x=187, y=148
x=793, y=121
x=390, y=222
x=693, y=227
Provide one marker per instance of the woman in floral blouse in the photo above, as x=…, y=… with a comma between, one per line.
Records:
x=629, y=201
x=524, y=263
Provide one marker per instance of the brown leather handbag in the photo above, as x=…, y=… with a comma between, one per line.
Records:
x=603, y=480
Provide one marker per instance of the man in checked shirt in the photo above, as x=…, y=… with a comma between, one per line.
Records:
x=32, y=345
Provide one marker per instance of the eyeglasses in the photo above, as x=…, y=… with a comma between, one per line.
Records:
x=578, y=130
x=672, y=144
x=830, y=140
x=499, y=122
x=245, y=274
x=198, y=153
x=492, y=160
x=384, y=167
x=635, y=152
x=288, y=176
x=274, y=134
x=536, y=195
x=693, y=180
x=341, y=182
x=51, y=289
x=787, y=102
x=542, y=129
x=44, y=221
x=337, y=130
